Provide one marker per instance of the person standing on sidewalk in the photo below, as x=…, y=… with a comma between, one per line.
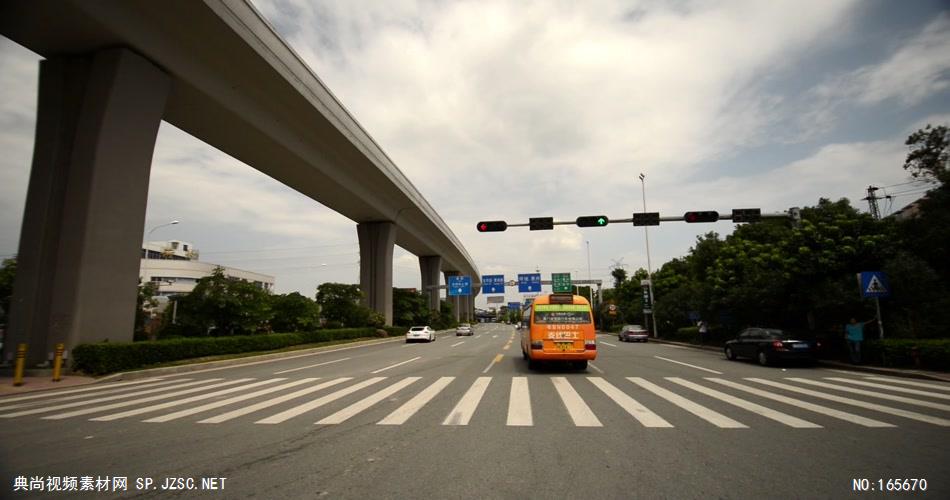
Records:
x=854, y=334
x=703, y=330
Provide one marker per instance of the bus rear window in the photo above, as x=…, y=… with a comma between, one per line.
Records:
x=561, y=314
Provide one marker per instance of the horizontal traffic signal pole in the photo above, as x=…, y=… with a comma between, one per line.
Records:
x=654, y=218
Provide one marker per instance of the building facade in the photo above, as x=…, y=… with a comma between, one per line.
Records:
x=174, y=267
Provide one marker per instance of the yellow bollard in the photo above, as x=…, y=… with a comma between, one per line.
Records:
x=58, y=362
x=18, y=368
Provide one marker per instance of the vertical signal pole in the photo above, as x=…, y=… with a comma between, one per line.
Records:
x=646, y=233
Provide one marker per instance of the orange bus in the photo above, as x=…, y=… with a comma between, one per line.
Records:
x=559, y=327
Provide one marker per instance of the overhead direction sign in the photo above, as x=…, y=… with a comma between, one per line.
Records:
x=874, y=284
x=493, y=283
x=561, y=283
x=460, y=286
x=529, y=283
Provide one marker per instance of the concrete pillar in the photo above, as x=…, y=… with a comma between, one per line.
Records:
x=456, y=303
x=430, y=265
x=78, y=262
x=376, y=266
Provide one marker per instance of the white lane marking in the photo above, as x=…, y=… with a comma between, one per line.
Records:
x=689, y=365
x=121, y=390
x=477, y=336
x=395, y=365
x=224, y=402
x=711, y=416
x=497, y=359
x=908, y=382
x=310, y=366
x=632, y=406
x=316, y=403
x=671, y=346
x=355, y=408
x=97, y=387
x=458, y=343
x=846, y=372
x=598, y=370
x=123, y=404
x=407, y=410
x=890, y=388
x=217, y=419
x=580, y=413
x=179, y=402
x=854, y=402
x=463, y=411
x=44, y=409
x=879, y=395
x=519, y=403
x=747, y=405
x=608, y=343
x=494, y=336
x=824, y=410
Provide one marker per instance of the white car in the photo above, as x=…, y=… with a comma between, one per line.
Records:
x=420, y=333
x=463, y=329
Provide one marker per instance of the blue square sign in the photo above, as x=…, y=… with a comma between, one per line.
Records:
x=874, y=284
x=460, y=285
x=529, y=283
x=493, y=283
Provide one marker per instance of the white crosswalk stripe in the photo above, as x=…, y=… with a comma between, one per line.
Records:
x=580, y=413
x=854, y=402
x=225, y=402
x=711, y=416
x=824, y=410
x=169, y=400
x=224, y=417
x=463, y=411
x=316, y=403
x=407, y=410
x=873, y=394
x=747, y=405
x=905, y=390
x=95, y=387
x=632, y=406
x=179, y=402
x=519, y=403
x=945, y=387
x=46, y=409
x=344, y=414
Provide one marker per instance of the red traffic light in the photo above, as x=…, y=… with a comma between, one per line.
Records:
x=491, y=226
x=706, y=216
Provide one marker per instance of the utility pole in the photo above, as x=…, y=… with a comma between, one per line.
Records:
x=872, y=202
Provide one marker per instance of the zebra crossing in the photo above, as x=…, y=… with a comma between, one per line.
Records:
x=741, y=403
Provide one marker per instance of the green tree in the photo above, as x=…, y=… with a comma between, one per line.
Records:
x=929, y=154
x=409, y=307
x=223, y=306
x=7, y=276
x=144, y=302
x=338, y=302
x=294, y=312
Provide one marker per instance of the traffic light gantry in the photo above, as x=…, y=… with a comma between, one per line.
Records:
x=738, y=215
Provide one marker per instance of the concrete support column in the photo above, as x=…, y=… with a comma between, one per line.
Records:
x=80, y=243
x=376, y=266
x=456, y=303
x=430, y=265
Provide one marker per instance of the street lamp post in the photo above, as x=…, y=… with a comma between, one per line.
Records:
x=646, y=234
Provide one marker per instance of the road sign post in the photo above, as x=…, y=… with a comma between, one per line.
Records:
x=529, y=283
x=459, y=286
x=873, y=284
x=493, y=283
x=561, y=283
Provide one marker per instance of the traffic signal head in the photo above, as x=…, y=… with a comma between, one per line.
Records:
x=746, y=215
x=646, y=219
x=592, y=221
x=540, y=223
x=706, y=216
x=488, y=226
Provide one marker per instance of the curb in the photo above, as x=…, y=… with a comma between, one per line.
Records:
x=246, y=360
x=893, y=372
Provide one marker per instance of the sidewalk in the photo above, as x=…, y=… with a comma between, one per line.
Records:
x=879, y=370
x=40, y=382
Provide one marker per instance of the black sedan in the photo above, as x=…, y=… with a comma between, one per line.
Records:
x=768, y=345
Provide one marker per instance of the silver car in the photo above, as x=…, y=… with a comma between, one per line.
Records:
x=635, y=333
x=463, y=329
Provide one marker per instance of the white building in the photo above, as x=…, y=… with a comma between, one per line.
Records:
x=174, y=266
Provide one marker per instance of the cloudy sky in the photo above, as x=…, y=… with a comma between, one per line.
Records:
x=510, y=110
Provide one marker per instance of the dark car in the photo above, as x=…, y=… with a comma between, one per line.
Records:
x=633, y=333
x=768, y=345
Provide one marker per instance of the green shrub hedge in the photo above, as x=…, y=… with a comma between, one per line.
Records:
x=107, y=357
x=932, y=354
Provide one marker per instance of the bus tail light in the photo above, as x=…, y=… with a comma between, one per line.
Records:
x=590, y=345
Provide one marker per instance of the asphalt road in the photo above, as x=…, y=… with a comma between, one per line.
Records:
x=463, y=417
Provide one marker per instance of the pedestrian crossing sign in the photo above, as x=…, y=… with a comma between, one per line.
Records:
x=874, y=284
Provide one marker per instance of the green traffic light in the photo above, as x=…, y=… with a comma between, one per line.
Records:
x=601, y=221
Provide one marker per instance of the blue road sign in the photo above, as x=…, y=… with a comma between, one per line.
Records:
x=874, y=284
x=460, y=285
x=529, y=283
x=493, y=283
x=514, y=305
